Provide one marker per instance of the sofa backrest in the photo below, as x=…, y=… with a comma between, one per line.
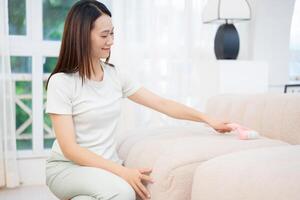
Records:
x=276, y=116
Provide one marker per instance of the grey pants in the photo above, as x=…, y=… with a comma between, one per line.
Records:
x=67, y=180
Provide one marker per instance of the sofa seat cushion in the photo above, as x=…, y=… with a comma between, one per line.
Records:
x=174, y=153
x=267, y=173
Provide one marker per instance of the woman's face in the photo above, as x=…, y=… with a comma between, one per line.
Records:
x=102, y=37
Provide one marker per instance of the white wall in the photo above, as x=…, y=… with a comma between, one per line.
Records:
x=265, y=37
x=270, y=36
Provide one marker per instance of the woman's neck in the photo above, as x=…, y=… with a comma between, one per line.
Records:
x=97, y=73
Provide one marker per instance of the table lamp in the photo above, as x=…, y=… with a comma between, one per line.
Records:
x=226, y=12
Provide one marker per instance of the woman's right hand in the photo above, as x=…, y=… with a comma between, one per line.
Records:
x=135, y=177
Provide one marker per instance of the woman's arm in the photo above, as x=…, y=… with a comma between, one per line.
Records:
x=175, y=109
x=65, y=135
x=64, y=132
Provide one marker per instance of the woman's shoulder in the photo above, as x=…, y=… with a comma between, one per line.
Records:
x=65, y=80
x=62, y=77
x=112, y=70
x=63, y=83
x=115, y=70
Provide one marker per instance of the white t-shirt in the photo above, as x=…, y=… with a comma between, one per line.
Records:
x=95, y=107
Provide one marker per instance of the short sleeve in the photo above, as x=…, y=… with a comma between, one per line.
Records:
x=129, y=84
x=59, y=94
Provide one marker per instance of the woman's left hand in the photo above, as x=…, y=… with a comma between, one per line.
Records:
x=220, y=126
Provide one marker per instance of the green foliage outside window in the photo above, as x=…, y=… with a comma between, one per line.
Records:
x=17, y=17
x=54, y=14
x=49, y=65
x=23, y=87
x=20, y=64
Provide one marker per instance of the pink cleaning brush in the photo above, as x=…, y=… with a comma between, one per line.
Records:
x=244, y=133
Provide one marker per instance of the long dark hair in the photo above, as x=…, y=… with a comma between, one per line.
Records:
x=75, y=48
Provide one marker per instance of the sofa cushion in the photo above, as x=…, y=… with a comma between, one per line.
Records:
x=175, y=152
x=273, y=115
x=267, y=173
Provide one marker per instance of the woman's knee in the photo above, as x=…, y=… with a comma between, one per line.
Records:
x=93, y=182
x=125, y=192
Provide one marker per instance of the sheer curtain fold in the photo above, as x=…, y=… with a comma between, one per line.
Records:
x=161, y=43
x=9, y=176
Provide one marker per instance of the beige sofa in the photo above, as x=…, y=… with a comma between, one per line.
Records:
x=195, y=162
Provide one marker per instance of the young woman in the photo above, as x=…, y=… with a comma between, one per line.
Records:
x=84, y=100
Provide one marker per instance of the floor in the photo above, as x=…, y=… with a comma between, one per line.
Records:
x=27, y=193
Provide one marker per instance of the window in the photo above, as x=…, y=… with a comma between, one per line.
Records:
x=21, y=70
x=53, y=26
x=34, y=47
x=17, y=17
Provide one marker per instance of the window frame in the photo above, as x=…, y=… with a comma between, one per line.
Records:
x=33, y=45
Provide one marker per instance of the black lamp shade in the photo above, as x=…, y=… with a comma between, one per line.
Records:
x=227, y=42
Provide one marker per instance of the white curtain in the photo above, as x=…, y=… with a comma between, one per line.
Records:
x=8, y=163
x=161, y=43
